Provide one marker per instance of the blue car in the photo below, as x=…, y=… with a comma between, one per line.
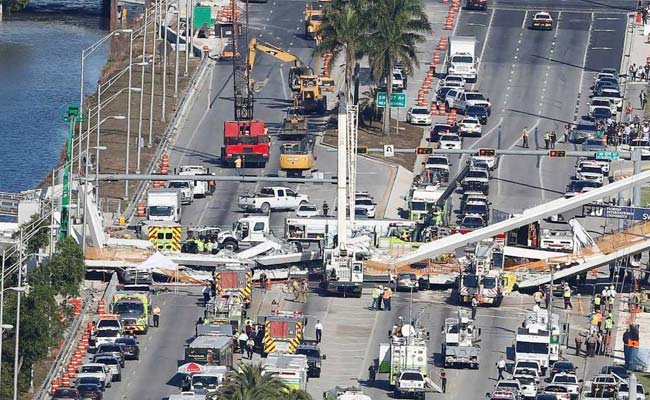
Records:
x=593, y=144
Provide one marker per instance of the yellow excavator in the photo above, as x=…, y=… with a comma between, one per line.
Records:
x=309, y=87
x=298, y=68
x=313, y=21
x=297, y=159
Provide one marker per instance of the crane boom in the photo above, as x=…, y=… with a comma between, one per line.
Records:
x=297, y=69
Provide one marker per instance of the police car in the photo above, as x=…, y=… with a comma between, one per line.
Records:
x=542, y=20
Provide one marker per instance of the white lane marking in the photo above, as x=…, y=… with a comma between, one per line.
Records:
x=485, y=41
x=584, y=64
x=453, y=33
x=602, y=48
x=284, y=87
x=557, y=26
x=607, y=18
x=530, y=130
x=523, y=23
x=604, y=30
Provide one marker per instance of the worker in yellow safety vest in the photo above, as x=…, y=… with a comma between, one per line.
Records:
x=566, y=294
x=209, y=246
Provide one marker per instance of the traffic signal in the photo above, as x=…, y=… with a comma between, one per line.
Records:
x=362, y=150
x=487, y=152
x=424, y=150
x=557, y=153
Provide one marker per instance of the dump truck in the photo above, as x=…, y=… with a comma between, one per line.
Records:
x=280, y=333
x=460, y=341
x=234, y=281
x=132, y=309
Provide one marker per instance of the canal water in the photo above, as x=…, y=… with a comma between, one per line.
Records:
x=40, y=63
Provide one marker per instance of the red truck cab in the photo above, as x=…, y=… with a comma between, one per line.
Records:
x=246, y=139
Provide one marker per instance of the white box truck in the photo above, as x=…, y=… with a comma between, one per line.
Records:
x=164, y=204
x=461, y=57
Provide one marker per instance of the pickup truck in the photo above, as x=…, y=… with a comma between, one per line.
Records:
x=272, y=198
x=411, y=384
x=96, y=370
x=460, y=100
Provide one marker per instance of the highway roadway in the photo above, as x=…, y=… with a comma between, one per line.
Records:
x=532, y=78
x=200, y=140
x=539, y=80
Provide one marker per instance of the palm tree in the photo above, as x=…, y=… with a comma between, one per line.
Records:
x=251, y=383
x=343, y=30
x=397, y=27
x=368, y=105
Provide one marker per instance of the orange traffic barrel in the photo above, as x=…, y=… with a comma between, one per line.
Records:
x=101, y=310
x=141, y=212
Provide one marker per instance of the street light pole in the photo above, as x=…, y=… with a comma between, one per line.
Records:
x=18, y=294
x=187, y=37
x=128, y=112
x=164, y=91
x=144, y=54
x=178, y=36
x=154, y=41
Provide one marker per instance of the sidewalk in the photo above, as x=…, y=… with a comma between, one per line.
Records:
x=636, y=52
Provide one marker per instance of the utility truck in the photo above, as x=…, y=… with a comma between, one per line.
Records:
x=220, y=346
x=199, y=188
x=460, y=341
x=164, y=204
x=461, y=58
x=289, y=368
x=343, y=275
x=186, y=188
x=405, y=360
x=272, y=198
x=534, y=342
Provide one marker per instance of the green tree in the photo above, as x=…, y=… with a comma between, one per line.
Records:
x=344, y=30
x=251, y=383
x=15, y=5
x=368, y=106
x=397, y=26
x=66, y=268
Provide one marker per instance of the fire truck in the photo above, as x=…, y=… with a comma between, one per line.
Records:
x=234, y=280
x=246, y=139
x=280, y=333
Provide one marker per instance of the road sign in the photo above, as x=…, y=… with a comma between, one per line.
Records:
x=389, y=150
x=607, y=155
x=397, y=100
x=629, y=213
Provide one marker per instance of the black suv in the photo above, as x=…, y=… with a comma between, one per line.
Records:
x=310, y=349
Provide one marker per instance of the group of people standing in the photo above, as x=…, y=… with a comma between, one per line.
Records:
x=381, y=295
x=300, y=289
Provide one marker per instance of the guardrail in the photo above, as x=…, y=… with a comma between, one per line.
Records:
x=168, y=135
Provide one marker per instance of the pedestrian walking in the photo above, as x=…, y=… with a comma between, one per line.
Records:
x=628, y=112
x=263, y=281
x=248, y=328
x=295, y=285
x=388, y=293
x=566, y=295
x=326, y=209
x=250, y=346
x=242, y=339
x=578, y=341
x=524, y=138
x=501, y=367
x=206, y=294
x=238, y=165
x=372, y=373
x=304, y=289
x=376, y=302
x=443, y=380
x=156, y=315
x=643, y=99
x=319, y=331
x=599, y=344
x=591, y=345
x=597, y=301
x=474, y=307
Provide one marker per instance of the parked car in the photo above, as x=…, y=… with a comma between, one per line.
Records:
x=624, y=392
x=112, y=363
x=407, y=281
x=129, y=347
x=66, y=393
x=90, y=391
x=307, y=210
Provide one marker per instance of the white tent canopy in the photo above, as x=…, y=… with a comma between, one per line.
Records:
x=158, y=261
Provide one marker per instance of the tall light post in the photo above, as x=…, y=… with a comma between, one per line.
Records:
x=153, y=69
x=164, y=91
x=128, y=113
x=18, y=296
x=142, y=65
x=188, y=36
x=178, y=35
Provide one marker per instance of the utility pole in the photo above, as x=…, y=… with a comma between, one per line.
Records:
x=550, y=302
x=636, y=190
x=154, y=44
x=342, y=158
x=164, y=18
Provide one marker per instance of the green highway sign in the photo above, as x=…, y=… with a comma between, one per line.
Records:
x=397, y=100
x=607, y=155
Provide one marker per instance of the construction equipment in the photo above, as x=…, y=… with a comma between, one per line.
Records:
x=310, y=96
x=247, y=140
x=297, y=159
x=280, y=333
x=294, y=125
x=297, y=69
x=242, y=92
x=460, y=341
x=313, y=22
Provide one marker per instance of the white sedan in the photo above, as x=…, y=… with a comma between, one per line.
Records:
x=454, y=81
x=307, y=210
x=451, y=142
x=418, y=115
x=470, y=126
